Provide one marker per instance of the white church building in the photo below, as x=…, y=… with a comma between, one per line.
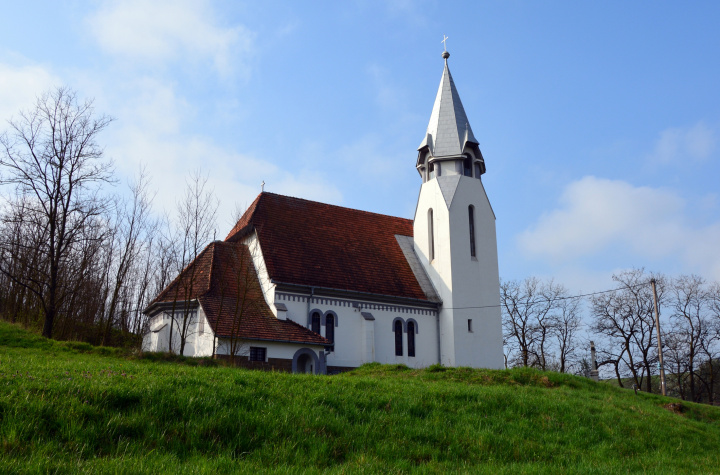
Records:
x=304, y=286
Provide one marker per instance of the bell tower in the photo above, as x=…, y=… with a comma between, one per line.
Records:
x=454, y=234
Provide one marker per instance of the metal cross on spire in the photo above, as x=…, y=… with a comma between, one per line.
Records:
x=262, y=186
x=445, y=38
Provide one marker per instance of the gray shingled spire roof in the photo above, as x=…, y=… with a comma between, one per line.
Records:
x=449, y=129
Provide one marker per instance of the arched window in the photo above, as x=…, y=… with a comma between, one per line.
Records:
x=411, y=338
x=315, y=325
x=471, y=217
x=431, y=235
x=330, y=327
x=467, y=166
x=431, y=171
x=398, y=338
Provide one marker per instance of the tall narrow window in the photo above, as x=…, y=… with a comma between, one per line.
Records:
x=431, y=235
x=431, y=171
x=411, y=338
x=467, y=166
x=398, y=338
x=330, y=327
x=315, y=323
x=471, y=217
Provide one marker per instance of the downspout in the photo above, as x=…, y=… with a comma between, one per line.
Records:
x=322, y=362
x=312, y=292
x=439, y=353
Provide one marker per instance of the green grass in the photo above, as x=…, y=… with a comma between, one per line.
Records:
x=68, y=408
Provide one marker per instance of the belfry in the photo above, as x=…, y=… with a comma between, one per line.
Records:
x=454, y=234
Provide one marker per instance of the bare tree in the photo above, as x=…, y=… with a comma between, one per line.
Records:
x=625, y=319
x=196, y=219
x=50, y=155
x=240, y=296
x=710, y=346
x=529, y=322
x=20, y=255
x=566, y=328
x=134, y=226
x=144, y=275
x=690, y=328
x=517, y=301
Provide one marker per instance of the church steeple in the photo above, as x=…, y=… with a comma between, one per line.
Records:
x=449, y=146
x=454, y=235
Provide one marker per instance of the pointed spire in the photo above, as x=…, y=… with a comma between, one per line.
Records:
x=449, y=129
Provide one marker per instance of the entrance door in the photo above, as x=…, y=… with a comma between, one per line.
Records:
x=305, y=364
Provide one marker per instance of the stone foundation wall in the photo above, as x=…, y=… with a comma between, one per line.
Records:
x=338, y=369
x=276, y=364
x=272, y=364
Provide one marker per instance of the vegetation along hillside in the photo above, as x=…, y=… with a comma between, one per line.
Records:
x=67, y=408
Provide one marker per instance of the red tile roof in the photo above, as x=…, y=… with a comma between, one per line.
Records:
x=223, y=279
x=320, y=245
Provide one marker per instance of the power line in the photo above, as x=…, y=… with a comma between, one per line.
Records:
x=525, y=304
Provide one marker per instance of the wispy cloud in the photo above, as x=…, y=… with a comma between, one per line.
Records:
x=413, y=11
x=165, y=31
x=683, y=144
x=387, y=95
x=150, y=131
x=598, y=216
x=20, y=86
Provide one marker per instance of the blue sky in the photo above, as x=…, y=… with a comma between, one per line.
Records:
x=599, y=122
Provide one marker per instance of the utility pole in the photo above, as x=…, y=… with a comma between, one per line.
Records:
x=659, y=340
x=594, y=375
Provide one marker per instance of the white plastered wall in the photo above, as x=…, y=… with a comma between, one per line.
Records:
x=358, y=340
x=199, y=339
x=268, y=288
x=463, y=282
x=274, y=349
x=202, y=341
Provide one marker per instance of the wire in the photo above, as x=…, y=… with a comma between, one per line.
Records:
x=553, y=300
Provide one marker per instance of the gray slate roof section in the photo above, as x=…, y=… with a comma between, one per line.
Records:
x=448, y=186
x=449, y=129
x=407, y=244
x=367, y=315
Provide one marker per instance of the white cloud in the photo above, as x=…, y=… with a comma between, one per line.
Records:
x=169, y=30
x=20, y=86
x=682, y=144
x=234, y=177
x=150, y=132
x=598, y=217
x=387, y=95
x=409, y=10
x=151, y=104
x=380, y=163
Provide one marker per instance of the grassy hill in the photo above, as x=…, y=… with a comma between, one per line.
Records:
x=71, y=407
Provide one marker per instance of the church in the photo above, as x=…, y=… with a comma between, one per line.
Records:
x=309, y=287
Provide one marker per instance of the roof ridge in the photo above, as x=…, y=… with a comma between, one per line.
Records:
x=212, y=268
x=182, y=272
x=334, y=206
x=449, y=130
x=301, y=326
x=249, y=212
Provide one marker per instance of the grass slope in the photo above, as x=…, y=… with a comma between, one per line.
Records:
x=66, y=408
